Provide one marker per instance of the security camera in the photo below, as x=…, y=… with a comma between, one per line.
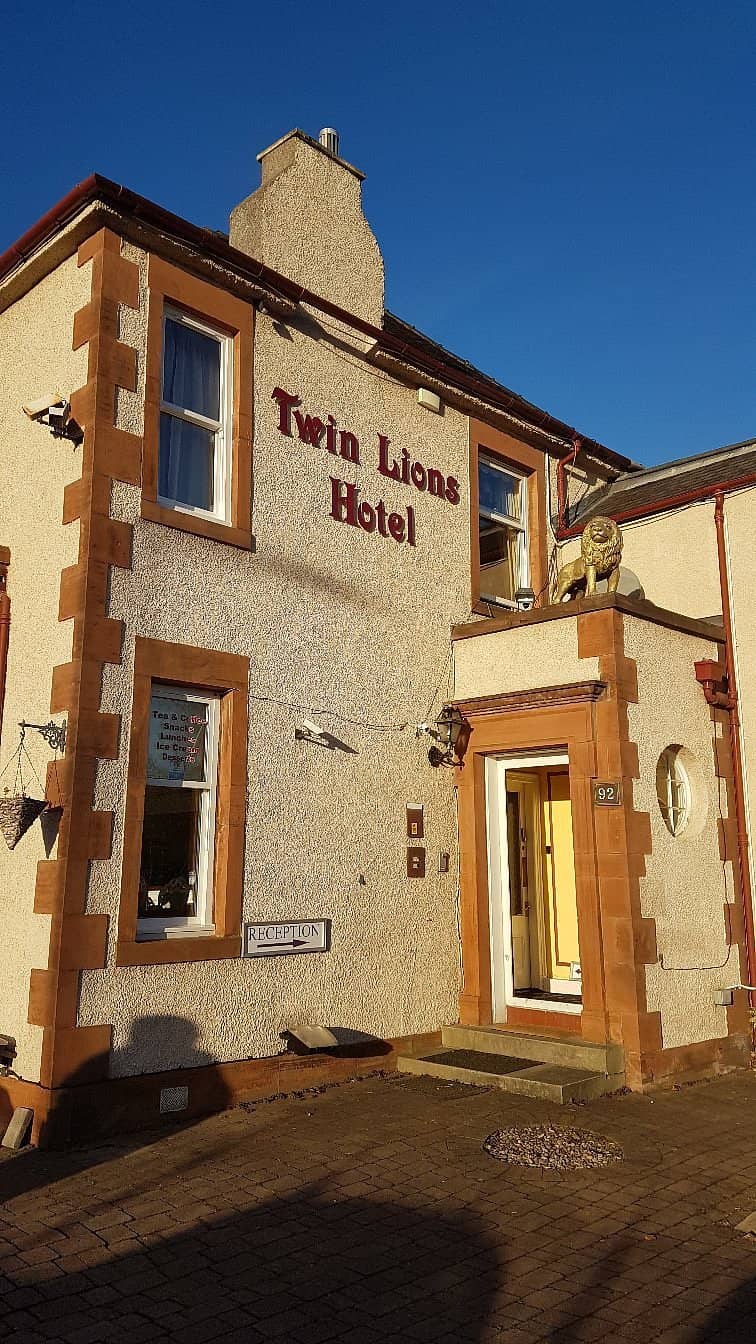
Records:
x=58, y=418
x=312, y=728
x=41, y=406
x=54, y=410
x=311, y=732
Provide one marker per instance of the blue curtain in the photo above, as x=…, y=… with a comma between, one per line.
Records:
x=191, y=381
x=191, y=370
x=186, y=465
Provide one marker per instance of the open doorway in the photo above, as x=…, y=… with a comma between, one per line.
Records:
x=535, y=957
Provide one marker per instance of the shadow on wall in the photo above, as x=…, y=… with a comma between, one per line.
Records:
x=84, y=1112
x=297, y=574
x=158, y=1044
x=81, y=1111
x=178, y=1082
x=299, y=1267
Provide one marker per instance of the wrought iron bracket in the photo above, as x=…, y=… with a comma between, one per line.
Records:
x=53, y=733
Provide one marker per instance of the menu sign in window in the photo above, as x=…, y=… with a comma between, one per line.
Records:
x=178, y=729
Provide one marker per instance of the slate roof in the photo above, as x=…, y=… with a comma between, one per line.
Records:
x=395, y=337
x=636, y=493
x=526, y=411
x=395, y=326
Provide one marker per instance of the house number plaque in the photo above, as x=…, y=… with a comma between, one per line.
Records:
x=607, y=793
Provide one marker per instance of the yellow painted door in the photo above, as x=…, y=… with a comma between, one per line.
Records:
x=562, y=926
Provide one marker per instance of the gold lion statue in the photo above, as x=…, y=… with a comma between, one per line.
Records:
x=600, y=554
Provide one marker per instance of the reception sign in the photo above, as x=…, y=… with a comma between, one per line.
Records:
x=286, y=937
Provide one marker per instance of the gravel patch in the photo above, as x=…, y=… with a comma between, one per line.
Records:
x=552, y=1146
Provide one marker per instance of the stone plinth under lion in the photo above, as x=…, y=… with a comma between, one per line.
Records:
x=600, y=555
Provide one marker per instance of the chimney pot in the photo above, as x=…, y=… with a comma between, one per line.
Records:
x=329, y=139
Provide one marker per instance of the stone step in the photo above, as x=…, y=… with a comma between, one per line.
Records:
x=565, y=1050
x=546, y=1082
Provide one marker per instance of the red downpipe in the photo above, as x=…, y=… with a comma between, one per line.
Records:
x=5, y=617
x=562, y=465
x=735, y=746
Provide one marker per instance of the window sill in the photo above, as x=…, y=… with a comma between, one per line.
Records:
x=152, y=931
x=198, y=526
x=164, y=951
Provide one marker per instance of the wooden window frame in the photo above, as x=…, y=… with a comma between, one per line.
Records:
x=519, y=527
x=530, y=464
x=172, y=288
x=227, y=676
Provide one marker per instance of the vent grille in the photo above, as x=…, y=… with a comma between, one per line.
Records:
x=173, y=1099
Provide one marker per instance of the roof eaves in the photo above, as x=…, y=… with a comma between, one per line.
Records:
x=418, y=350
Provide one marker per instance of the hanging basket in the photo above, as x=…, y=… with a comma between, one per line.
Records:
x=17, y=814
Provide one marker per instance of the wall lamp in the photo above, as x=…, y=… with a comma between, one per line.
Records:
x=450, y=732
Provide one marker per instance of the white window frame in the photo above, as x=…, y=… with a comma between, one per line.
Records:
x=503, y=995
x=519, y=525
x=222, y=428
x=201, y=923
x=676, y=814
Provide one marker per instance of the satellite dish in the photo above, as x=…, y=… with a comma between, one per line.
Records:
x=629, y=585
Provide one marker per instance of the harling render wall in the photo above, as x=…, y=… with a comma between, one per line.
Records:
x=36, y=358
x=353, y=626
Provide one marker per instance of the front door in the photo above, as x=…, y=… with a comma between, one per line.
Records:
x=563, y=953
x=519, y=862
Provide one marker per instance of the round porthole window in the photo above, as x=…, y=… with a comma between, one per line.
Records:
x=673, y=790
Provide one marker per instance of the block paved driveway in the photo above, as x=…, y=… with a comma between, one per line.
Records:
x=369, y=1212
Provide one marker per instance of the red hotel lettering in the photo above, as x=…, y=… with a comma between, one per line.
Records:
x=409, y=472
x=311, y=428
x=346, y=507
x=285, y=402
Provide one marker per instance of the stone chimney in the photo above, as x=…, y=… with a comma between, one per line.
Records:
x=306, y=221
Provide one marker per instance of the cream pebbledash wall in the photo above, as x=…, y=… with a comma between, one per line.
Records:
x=674, y=556
x=740, y=524
x=36, y=358
x=686, y=884
x=530, y=657
x=342, y=626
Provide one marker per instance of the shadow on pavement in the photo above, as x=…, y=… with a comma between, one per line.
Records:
x=734, y=1319
x=78, y=1126
x=75, y=1117
x=296, y=1268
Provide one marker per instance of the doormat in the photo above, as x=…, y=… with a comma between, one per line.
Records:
x=552, y=1146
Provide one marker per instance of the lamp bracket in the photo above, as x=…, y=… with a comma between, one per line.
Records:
x=53, y=733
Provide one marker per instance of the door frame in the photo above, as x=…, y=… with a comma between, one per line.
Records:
x=503, y=995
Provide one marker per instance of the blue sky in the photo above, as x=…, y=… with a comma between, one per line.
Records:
x=564, y=194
